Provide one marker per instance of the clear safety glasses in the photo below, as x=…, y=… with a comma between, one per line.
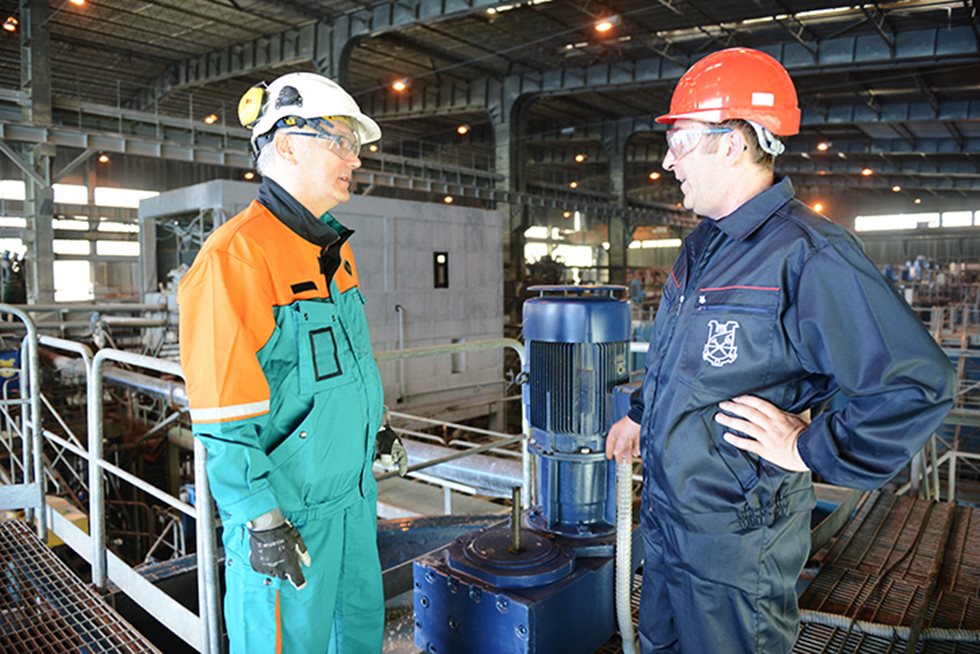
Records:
x=345, y=147
x=683, y=140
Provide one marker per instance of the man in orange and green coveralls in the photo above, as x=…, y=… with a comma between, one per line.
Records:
x=283, y=388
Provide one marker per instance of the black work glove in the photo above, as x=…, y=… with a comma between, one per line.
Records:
x=390, y=451
x=277, y=549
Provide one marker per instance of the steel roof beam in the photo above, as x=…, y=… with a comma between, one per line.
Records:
x=907, y=182
x=867, y=51
x=326, y=45
x=927, y=146
x=912, y=167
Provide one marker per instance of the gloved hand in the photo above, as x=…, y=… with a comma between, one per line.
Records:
x=390, y=451
x=277, y=549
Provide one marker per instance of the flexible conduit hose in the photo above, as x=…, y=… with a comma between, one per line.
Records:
x=887, y=630
x=624, y=554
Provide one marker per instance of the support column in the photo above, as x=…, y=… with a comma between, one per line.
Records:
x=511, y=165
x=614, y=141
x=35, y=74
x=333, y=47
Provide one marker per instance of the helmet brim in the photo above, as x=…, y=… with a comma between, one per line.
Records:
x=367, y=130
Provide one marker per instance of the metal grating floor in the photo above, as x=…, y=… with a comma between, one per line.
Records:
x=45, y=608
x=904, y=576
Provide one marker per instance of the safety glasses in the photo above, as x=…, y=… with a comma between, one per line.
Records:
x=345, y=147
x=683, y=140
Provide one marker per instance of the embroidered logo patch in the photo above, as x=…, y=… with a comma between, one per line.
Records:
x=720, y=350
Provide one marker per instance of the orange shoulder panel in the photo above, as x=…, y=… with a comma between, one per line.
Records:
x=226, y=317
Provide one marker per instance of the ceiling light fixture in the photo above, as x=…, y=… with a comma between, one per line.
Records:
x=580, y=157
x=373, y=147
x=896, y=189
x=400, y=85
x=448, y=199
x=654, y=176
x=103, y=158
x=573, y=185
x=606, y=23
x=867, y=172
x=463, y=130
x=211, y=119
x=918, y=200
x=77, y=3
x=11, y=24
x=823, y=146
x=249, y=175
x=566, y=214
x=818, y=207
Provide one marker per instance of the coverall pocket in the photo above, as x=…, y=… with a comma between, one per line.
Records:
x=321, y=460
x=743, y=466
x=729, y=347
x=325, y=360
x=360, y=336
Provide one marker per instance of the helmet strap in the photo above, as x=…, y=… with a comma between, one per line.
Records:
x=768, y=141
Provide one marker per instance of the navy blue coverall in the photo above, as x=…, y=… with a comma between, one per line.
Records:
x=778, y=302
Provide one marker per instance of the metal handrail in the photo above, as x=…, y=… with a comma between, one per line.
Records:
x=475, y=346
x=104, y=566
x=33, y=462
x=207, y=575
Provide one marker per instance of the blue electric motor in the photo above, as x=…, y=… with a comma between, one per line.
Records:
x=577, y=341
x=555, y=594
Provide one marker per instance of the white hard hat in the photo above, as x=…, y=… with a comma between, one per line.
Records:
x=305, y=95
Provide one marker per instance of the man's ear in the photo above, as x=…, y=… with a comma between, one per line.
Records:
x=735, y=145
x=284, y=147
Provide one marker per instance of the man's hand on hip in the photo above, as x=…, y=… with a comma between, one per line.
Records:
x=623, y=441
x=775, y=431
x=277, y=549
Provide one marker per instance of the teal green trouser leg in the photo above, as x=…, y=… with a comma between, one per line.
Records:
x=341, y=609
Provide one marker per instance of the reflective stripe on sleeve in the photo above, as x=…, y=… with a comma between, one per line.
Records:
x=226, y=413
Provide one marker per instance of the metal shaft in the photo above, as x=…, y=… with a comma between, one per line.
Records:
x=515, y=520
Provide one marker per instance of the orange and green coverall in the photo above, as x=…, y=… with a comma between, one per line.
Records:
x=286, y=396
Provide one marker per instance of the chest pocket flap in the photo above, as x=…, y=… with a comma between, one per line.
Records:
x=324, y=355
x=728, y=343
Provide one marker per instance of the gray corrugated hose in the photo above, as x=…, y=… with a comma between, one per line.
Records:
x=624, y=553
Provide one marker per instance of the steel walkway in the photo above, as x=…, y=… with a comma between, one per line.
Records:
x=45, y=608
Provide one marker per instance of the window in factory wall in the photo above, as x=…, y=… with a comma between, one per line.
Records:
x=574, y=256
x=13, y=189
x=14, y=245
x=117, y=248
x=106, y=196
x=957, y=218
x=113, y=226
x=73, y=246
x=12, y=221
x=70, y=193
x=72, y=281
x=895, y=221
x=535, y=251
x=80, y=225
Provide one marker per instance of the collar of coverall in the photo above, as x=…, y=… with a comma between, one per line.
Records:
x=290, y=212
x=744, y=221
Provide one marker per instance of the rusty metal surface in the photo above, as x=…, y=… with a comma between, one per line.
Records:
x=904, y=576
x=45, y=608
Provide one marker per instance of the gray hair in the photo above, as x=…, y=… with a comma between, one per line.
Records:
x=264, y=162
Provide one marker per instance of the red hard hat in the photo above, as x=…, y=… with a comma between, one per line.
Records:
x=737, y=83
